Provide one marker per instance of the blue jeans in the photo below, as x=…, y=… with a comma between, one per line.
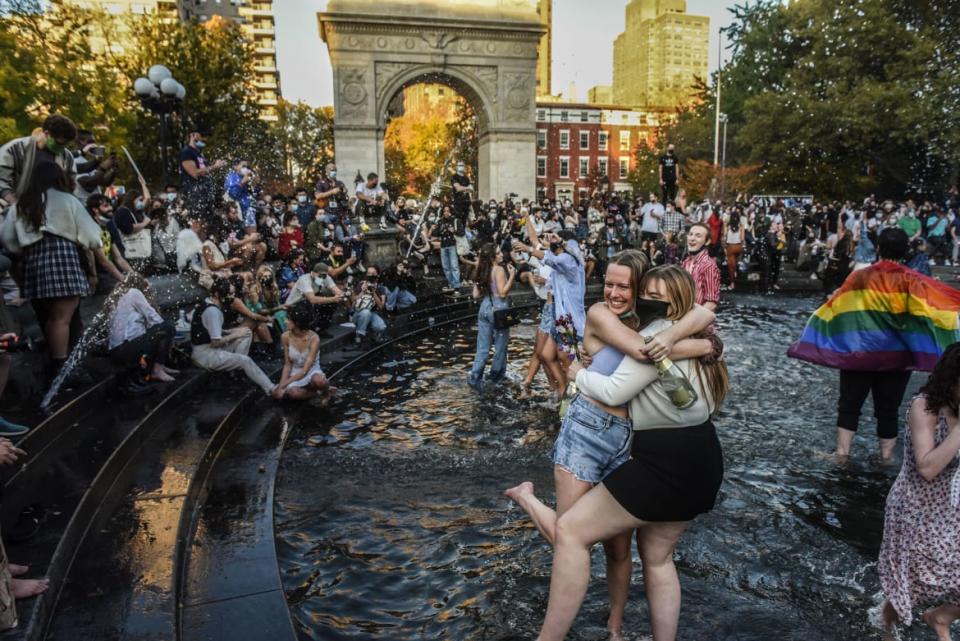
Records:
x=451, y=265
x=487, y=336
x=400, y=299
x=368, y=318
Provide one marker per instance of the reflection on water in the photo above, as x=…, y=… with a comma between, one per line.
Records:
x=391, y=523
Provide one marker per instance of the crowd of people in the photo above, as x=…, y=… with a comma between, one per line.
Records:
x=637, y=378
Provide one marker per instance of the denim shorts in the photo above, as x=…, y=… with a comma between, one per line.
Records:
x=546, y=318
x=591, y=443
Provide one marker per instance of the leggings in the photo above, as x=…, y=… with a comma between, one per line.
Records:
x=887, y=388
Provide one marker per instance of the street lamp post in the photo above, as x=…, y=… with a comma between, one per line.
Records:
x=723, y=157
x=161, y=94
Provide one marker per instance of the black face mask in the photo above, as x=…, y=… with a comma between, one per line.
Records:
x=649, y=310
x=555, y=246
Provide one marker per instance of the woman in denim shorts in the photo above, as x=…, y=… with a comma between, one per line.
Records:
x=594, y=438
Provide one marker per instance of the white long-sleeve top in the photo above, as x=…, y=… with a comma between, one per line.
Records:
x=65, y=216
x=639, y=385
x=133, y=316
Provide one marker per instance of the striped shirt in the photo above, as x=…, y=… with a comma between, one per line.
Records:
x=706, y=276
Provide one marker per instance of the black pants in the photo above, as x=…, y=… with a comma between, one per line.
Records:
x=154, y=345
x=668, y=191
x=887, y=388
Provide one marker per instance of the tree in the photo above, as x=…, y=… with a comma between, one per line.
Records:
x=303, y=136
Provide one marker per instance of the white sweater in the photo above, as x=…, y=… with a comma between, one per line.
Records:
x=65, y=216
x=639, y=384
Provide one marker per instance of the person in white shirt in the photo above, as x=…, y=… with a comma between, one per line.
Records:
x=222, y=350
x=137, y=330
x=317, y=288
x=652, y=212
x=372, y=199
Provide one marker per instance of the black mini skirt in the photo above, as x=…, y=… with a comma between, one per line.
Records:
x=674, y=474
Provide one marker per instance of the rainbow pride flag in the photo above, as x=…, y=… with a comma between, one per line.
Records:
x=885, y=317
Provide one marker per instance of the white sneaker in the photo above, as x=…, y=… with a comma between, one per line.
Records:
x=931, y=262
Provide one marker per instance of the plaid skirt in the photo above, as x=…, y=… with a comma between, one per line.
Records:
x=52, y=269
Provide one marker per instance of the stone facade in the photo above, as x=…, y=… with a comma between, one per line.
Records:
x=486, y=54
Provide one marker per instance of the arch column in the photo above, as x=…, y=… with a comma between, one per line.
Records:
x=500, y=171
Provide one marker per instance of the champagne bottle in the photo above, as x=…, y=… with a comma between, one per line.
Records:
x=676, y=384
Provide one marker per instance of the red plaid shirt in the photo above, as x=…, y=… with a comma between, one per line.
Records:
x=706, y=276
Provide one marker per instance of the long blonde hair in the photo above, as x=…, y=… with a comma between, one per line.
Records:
x=681, y=294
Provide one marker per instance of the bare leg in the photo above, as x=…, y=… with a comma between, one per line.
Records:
x=263, y=334
x=595, y=517
x=656, y=542
x=158, y=373
x=549, y=359
x=57, y=330
x=887, y=446
x=619, y=569
x=844, y=441
x=940, y=619
x=569, y=489
x=17, y=570
x=300, y=393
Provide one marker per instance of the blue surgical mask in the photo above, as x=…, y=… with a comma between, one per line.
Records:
x=333, y=174
x=139, y=205
x=171, y=197
x=200, y=144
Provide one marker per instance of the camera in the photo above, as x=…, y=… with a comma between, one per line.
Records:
x=16, y=344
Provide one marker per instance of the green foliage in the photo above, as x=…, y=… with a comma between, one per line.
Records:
x=304, y=137
x=836, y=98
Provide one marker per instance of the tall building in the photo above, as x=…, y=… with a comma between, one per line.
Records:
x=659, y=54
x=600, y=95
x=254, y=16
x=544, y=49
x=256, y=19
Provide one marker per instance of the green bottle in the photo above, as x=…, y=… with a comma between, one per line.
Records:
x=676, y=384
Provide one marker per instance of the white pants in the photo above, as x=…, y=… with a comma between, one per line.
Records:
x=232, y=356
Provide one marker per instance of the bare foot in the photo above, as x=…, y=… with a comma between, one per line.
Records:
x=939, y=620
x=160, y=375
x=170, y=371
x=514, y=493
x=26, y=588
x=18, y=570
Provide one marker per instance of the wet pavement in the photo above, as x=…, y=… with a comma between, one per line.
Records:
x=391, y=525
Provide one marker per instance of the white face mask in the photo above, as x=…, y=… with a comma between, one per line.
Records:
x=333, y=174
x=302, y=199
x=244, y=171
x=171, y=197
x=460, y=171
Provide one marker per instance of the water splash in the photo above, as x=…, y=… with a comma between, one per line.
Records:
x=94, y=335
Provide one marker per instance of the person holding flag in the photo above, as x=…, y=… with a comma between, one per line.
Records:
x=884, y=322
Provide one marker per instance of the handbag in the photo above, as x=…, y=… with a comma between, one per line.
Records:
x=505, y=318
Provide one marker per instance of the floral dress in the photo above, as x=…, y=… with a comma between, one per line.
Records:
x=920, y=555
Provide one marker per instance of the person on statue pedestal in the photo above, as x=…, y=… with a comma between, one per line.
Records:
x=331, y=195
x=462, y=193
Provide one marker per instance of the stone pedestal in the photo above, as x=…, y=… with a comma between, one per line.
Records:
x=381, y=247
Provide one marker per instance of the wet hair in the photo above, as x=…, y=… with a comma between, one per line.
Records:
x=485, y=263
x=301, y=314
x=682, y=295
x=893, y=244
x=638, y=263
x=941, y=388
x=32, y=206
x=60, y=127
x=221, y=288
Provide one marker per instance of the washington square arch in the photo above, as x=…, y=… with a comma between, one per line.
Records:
x=484, y=49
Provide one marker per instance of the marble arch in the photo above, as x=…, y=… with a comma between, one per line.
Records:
x=484, y=49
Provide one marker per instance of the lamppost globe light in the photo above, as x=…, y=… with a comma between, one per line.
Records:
x=169, y=87
x=143, y=87
x=181, y=91
x=158, y=73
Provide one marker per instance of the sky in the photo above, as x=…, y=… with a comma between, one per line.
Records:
x=583, y=34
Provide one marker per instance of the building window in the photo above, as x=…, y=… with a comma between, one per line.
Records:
x=624, y=167
x=584, y=140
x=564, y=166
x=541, y=166
x=624, y=141
x=541, y=138
x=583, y=116
x=540, y=115
x=584, y=167
x=602, y=140
x=564, y=139
x=602, y=166
x=564, y=116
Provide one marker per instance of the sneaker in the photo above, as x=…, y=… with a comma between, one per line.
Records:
x=357, y=339
x=931, y=262
x=9, y=429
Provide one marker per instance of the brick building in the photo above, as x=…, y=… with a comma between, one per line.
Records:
x=580, y=146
